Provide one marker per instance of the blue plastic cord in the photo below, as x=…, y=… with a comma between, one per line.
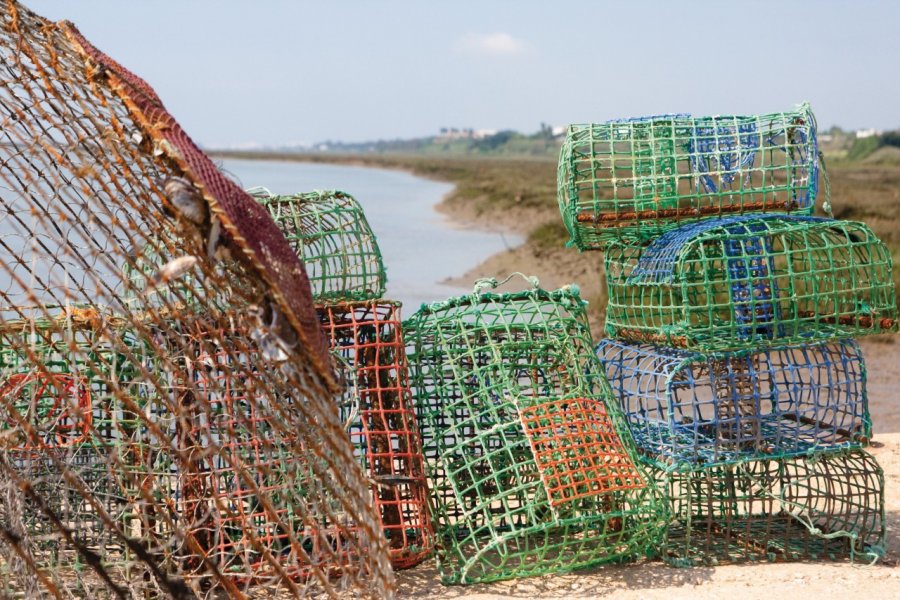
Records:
x=720, y=148
x=804, y=399
x=658, y=260
x=751, y=266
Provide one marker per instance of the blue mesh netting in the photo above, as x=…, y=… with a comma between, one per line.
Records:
x=703, y=409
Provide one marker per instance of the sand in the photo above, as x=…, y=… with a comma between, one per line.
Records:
x=778, y=581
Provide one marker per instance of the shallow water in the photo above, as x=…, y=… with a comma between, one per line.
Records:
x=420, y=246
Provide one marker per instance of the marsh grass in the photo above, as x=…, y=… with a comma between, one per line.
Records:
x=500, y=191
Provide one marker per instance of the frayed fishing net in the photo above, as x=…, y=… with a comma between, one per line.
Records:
x=168, y=423
x=635, y=178
x=531, y=467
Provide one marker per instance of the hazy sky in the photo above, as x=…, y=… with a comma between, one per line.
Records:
x=279, y=71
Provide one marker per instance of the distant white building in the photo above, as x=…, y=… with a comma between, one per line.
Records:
x=466, y=133
x=864, y=133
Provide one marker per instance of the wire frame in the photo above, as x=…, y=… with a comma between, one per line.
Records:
x=367, y=340
x=329, y=231
x=531, y=469
x=685, y=407
x=751, y=281
x=636, y=178
x=161, y=355
x=817, y=507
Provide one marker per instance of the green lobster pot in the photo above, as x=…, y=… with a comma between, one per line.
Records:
x=815, y=507
x=531, y=467
x=636, y=178
x=751, y=282
x=329, y=231
x=70, y=421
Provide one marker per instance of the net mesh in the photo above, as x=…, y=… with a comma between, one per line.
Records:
x=635, y=178
x=532, y=471
x=329, y=231
x=378, y=411
x=689, y=408
x=167, y=417
x=751, y=282
x=825, y=506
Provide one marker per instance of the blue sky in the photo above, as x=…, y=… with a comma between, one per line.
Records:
x=279, y=71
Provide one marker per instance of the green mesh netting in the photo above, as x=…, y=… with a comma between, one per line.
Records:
x=635, y=178
x=68, y=413
x=329, y=231
x=822, y=506
x=531, y=466
x=751, y=282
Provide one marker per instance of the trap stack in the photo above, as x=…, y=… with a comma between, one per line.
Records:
x=637, y=178
x=531, y=468
x=330, y=233
x=167, y=426
x=731, y=315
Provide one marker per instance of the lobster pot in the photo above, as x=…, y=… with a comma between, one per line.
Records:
x=251, y=523
x=330, y=233
x=367, y=342
x=168, y=424
x=531, y=469
x=636, y=178
x=751, y=281
x=822, y=506
x=685, y=407
x=65, y=428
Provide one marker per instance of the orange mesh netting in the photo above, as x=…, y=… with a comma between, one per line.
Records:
x=377, y=409
x=167, y=415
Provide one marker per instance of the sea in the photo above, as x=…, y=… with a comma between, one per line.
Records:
x=422, y=248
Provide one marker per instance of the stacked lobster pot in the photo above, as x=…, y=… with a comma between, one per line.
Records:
x=532, y=469
x=330, y=233
x=731, y=317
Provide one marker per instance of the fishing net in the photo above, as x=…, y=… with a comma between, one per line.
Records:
x=689, y=407
x=168, y=423
x=330, y=233
x=635, y=178
x=378, y=412
x=823, y=506
x=531, y=468
x=751, y=281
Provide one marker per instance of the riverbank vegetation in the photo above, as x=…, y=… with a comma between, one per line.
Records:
x=519, y=194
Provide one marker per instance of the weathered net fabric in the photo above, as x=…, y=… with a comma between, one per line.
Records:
x=751, y=282
x=532, y=470
x=378, y=411
x=635, y=178
x=169, y=423
x=329, y=231
x=823, y=506
x=686, y=407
